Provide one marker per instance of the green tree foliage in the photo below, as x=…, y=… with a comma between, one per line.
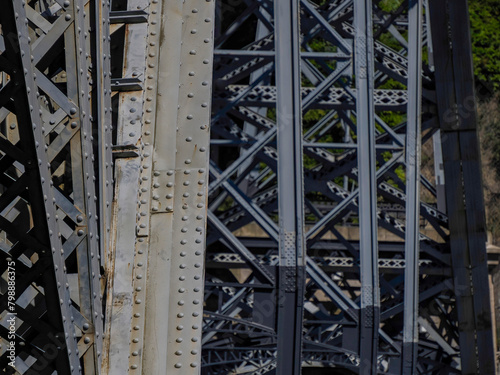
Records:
x=485, y=36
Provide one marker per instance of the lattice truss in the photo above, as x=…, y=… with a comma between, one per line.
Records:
x=241, y=313
x=55, y=161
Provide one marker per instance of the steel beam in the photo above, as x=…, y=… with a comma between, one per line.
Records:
x=370, y=294
x=291, y=268
x=160, y=218
x=413, y=145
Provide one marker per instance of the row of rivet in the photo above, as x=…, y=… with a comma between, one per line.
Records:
x=190, y=195
x=83, y=63
x=35, y=115
x=145, y=194
x=107, y=183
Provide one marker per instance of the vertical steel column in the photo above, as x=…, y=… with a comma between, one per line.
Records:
x=412, y=234
x=102, y=103
x=365, y=119
x=180, y=137
x=464, y=196
x=290, y=187
x=157, y=291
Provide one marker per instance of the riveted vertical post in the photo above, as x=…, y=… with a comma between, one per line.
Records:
x=412, y=234
x=290, y=187
x=365, y=120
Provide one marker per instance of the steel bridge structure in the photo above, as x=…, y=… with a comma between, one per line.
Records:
x=241, y=187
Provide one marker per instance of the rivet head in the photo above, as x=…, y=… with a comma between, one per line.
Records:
x=178, y=365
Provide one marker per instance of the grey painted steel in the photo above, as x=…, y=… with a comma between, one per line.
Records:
x=413, y=161
x=370, y=298
x=376, y=250
x=160, y=215
x=462, y=170
x=248, y=205
x=291, y=268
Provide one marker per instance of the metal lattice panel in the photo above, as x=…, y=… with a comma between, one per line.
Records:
x=381, y=291
x=49, y=201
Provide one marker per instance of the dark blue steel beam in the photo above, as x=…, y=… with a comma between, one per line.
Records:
x=412, y=234
x=365, y=110
x=291, y=270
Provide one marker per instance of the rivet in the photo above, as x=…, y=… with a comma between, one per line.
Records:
x=178, y=365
